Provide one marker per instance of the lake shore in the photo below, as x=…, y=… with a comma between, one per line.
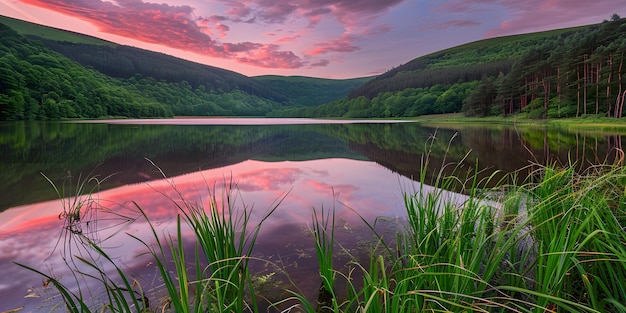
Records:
x=590, y=123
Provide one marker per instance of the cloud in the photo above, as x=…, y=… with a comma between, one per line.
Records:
x=172, y=26
x=340, y=44
x=536, y=15
x=320, y=63
x=451, y=24
x=222, y=29
x=180, y=26
x=267, y=179
x=355, y=16
x=348, y=12
x=269, y=56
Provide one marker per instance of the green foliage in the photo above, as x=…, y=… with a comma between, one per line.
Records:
x=308, y=91
x=36, y=83
x=569, y=75
x=406, y=103
x=574, y=71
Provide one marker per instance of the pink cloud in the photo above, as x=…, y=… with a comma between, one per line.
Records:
x=346, y=191
x=269, y=56
x=355, y=16
x=537, y=15
x=340, y=44
x=172, y=26
x=179, y=26
x=288, y=38
x=237, y=9
x=222, y=29
x=320, y=63
x=267, y=179
x=348, y=12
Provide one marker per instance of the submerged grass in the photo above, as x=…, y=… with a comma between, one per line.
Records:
x=553, y=245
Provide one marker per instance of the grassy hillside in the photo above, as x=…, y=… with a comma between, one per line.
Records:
x=466, y=62
x=309, y=91
x=557, y=73
x=30, y=29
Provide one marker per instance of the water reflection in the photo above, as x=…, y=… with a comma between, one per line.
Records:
x=29, y=233
x=59, y=150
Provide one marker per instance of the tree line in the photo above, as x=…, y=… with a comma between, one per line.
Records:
x=565, y=76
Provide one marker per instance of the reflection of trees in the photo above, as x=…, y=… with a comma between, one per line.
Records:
x=400, y=147
x=56, y=149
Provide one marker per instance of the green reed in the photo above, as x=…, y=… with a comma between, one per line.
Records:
x=323, y=230
x=556, y=245
x=578, y=224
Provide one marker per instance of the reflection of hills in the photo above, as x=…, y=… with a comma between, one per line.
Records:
x=280, y=144
x=56, y=149
x=488, y=151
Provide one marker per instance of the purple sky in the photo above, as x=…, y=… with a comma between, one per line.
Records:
x=319, y=38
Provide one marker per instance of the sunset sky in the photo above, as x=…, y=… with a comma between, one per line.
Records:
x=319, y=38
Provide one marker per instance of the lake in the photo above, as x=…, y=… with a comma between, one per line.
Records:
x=359, y=168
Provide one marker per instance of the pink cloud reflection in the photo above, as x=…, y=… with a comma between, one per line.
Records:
x=29, y=233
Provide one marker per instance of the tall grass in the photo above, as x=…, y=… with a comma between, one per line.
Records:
x=556, y=245
x=553, y=245
x=216, y=279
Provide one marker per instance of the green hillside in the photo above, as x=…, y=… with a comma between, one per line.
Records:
x=38, y=83
x=26, y=29
x=140, y=76
x=50, y=73
x=556, y=73
x=309, y=91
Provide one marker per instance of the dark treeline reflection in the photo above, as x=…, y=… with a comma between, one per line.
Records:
x=59, y=150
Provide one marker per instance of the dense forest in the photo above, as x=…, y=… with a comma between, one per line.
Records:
x=124, y=62
x=565, y=76
x=559, y=73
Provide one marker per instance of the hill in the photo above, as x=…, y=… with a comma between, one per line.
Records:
x=179, y=86
x=499, y=76
x=309, y=91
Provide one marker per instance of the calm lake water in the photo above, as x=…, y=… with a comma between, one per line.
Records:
x=361, y=168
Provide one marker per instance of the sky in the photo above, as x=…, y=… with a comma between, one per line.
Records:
x=318, y=38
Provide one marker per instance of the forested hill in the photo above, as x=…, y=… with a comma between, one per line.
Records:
x=558, y=73
x=310, y=91
x=47, y=73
